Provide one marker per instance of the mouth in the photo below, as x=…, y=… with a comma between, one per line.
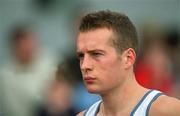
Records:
x=89, y=80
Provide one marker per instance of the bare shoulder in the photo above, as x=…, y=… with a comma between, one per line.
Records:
x=165, y=106
x=81, y=113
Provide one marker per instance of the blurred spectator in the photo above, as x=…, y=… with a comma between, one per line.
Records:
x=153, y=69
x=59, y=102
x=173, y=44
x=25, y=76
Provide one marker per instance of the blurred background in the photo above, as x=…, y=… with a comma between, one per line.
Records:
x=39, y=71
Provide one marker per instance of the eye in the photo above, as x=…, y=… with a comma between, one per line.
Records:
x=80, y=56
x=96, y=54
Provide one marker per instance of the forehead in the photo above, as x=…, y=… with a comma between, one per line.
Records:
x=94, y=39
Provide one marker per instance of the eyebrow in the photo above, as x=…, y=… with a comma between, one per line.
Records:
x=96, y=50
x=91, y=51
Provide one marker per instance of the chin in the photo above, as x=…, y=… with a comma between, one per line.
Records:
x=92, y=90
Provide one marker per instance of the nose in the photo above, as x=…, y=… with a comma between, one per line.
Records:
x=86, y=63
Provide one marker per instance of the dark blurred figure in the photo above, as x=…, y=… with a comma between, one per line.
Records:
x=153, y=69
x=173, y=44
x=25, y=75
x=59, y=98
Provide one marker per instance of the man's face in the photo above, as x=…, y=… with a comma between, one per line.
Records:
x=101, y=66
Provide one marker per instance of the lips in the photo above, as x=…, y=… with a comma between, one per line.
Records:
x=89, y=80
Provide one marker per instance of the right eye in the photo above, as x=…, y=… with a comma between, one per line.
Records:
x=80, y=56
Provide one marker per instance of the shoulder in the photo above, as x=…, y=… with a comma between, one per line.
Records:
x=81, y=113
x=165, y=106
x=91, y=110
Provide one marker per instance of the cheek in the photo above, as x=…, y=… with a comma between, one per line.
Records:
x=109, y=70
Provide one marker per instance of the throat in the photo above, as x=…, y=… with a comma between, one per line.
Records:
x=121, y=101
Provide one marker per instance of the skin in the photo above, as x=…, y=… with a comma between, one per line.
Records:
x=110, y=74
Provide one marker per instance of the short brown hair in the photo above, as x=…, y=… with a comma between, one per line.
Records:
x=125, y=31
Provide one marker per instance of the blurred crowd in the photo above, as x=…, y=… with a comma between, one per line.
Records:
x=33, y=85
x=158, y=61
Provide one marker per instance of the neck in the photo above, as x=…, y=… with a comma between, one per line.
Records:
x=122, y=99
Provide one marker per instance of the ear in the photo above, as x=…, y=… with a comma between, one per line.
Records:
x=129, y=58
